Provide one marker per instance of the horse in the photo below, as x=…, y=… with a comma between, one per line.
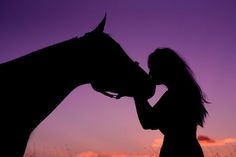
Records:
x=33, y=85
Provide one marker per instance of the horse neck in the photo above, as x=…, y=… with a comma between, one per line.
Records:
x=56, y=62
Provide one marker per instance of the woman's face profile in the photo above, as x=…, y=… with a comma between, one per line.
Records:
x=158, y=72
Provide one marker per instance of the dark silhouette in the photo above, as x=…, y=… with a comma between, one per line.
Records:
x=32, y=86
x=181, y=108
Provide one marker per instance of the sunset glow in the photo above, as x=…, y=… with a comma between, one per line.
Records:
x=89, y=124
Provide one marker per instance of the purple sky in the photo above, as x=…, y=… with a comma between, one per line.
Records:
x=203, y=32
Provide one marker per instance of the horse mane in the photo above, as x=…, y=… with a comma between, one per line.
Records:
x=54, y=48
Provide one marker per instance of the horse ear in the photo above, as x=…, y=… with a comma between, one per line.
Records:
x=100, y=27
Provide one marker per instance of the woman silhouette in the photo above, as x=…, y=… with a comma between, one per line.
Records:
x=181, y=108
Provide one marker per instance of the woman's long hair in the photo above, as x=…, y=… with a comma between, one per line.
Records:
x=172, y=60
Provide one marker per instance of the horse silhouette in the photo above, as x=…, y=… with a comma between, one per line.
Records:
x=33, y=85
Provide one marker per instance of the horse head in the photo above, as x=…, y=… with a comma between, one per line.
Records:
x=34, y=85
x=112, y=70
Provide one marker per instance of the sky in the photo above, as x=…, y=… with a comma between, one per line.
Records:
x=89, y=124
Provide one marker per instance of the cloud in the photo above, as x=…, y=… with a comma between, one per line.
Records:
x=157, y=143
x=206, y=141
x=203, y=140
x=94, y=154
x=87, y=154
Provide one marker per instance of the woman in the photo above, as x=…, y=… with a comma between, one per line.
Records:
x=181, y=108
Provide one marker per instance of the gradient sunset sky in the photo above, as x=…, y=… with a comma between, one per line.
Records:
x=202, y=31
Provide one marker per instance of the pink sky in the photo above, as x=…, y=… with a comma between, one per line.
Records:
x=203, y=32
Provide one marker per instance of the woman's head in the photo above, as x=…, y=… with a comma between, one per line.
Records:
x=168, y=68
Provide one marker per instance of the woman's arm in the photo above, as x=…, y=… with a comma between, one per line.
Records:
x=145, y=113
